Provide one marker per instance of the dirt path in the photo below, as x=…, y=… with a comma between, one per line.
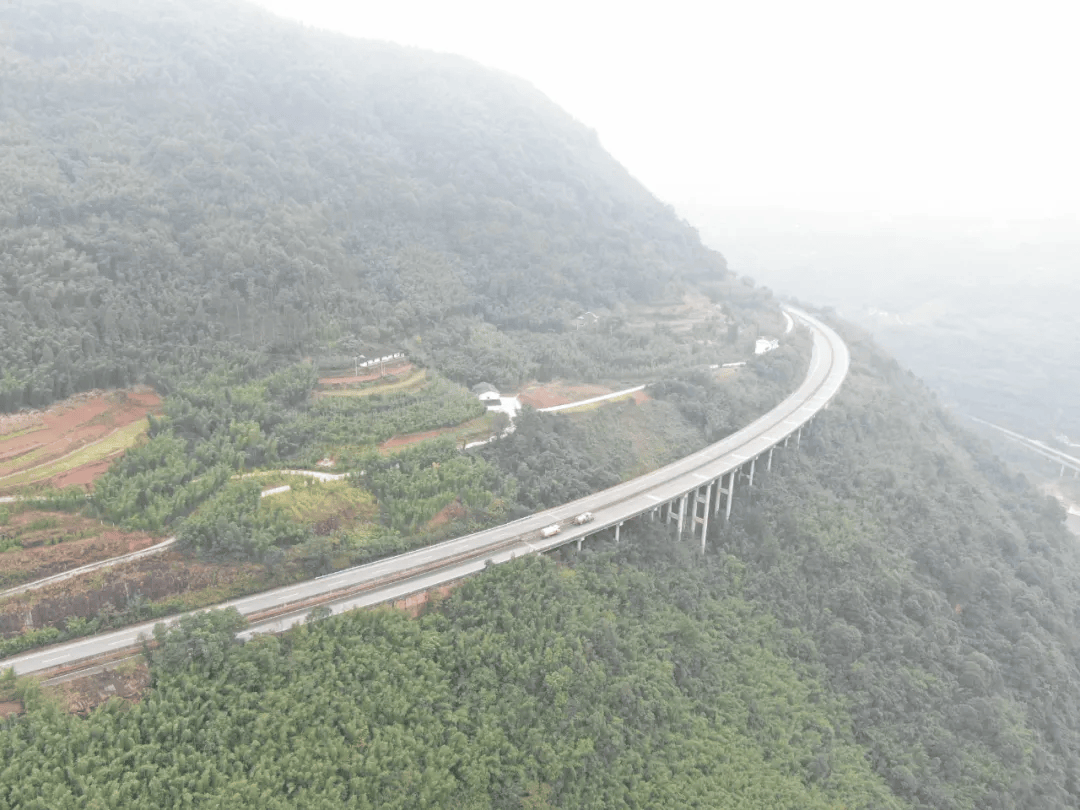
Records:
x=640, y=389
x=86, y=569
x=400, y=368
x=547, y=395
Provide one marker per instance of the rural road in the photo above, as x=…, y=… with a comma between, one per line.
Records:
x=591, y=400
x=155, y=549
x=392, y=578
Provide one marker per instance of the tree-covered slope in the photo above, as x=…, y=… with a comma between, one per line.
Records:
x=184, y=173
x=536, y=687
x=940, y=590
x=888, y=621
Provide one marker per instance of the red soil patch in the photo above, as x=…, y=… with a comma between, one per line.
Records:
x=397, y=442
x=84, y=475
x=127, y=682
x=10, y=707
x=545, y=395
x=415, y=604
x=71, y=542
x=400, y=368
x=69, y=425
x=452, y=511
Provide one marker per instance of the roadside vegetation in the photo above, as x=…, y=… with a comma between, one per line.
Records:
x=36, y=543
x=188, y=478
x=884, y=623
x=536, y=686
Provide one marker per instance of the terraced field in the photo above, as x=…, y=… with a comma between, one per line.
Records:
x=73, y=441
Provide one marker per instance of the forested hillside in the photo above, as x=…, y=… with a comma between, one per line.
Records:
x=886, y=622
x=940, y=590
x=181, y=179
x=199, y=196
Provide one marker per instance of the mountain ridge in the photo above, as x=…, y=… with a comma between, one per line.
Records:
x=191, y=175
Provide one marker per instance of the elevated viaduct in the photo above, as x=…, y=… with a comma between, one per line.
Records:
x=689, y=493
x=1063, y=460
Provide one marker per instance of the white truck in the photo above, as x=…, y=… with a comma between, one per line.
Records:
x=550, y=531
x=583, y=518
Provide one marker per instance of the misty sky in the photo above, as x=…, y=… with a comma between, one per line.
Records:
x=902, y=107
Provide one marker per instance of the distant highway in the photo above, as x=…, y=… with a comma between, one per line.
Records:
x=1062, y=459
x=688, y=480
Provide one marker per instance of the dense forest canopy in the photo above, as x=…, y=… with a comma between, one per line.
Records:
x=887, y=621
x=181, y=176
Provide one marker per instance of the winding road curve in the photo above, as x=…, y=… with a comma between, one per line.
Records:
x=415, y=571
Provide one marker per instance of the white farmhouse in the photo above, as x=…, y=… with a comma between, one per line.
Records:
x=487, y=394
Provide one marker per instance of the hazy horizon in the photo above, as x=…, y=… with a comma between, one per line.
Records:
x=953, y=108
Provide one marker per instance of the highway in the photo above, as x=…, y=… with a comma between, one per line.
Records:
x=395, y=577
x=1064, y=460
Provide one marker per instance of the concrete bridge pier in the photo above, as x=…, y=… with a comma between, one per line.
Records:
x=702, y=496
x=617, y=527
x=728, y=491
x=753, y=461
x=768, y=465
x=682, y=514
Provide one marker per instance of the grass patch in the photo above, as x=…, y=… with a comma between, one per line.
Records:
x=114, y=443
x=482, y=427
x=268, y=479
x=413, y=381
x=9, y=543
x=30, y=455
x=16, y=434
x=311, y=501
x=592, y=406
